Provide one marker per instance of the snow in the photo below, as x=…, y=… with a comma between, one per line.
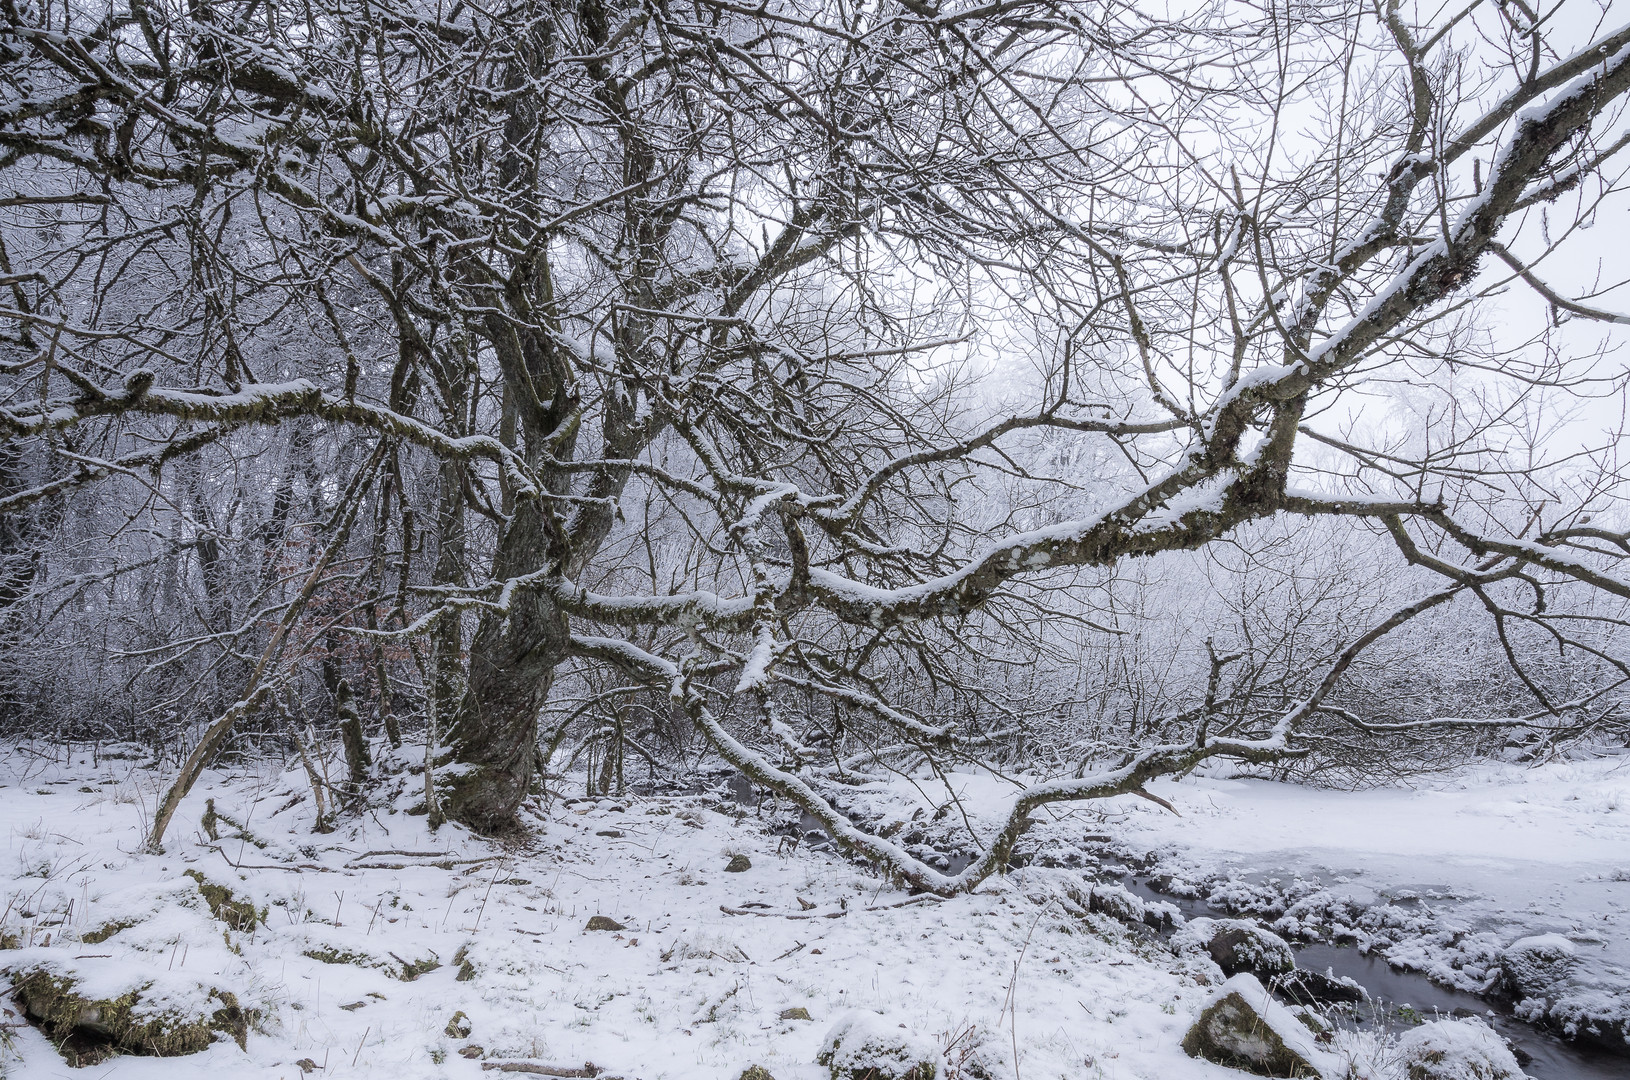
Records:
x=1027, y=970
x=1457, y=1050
x=1465, y=879
x=686, y=991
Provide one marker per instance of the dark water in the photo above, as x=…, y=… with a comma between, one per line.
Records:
x=1547, y=1057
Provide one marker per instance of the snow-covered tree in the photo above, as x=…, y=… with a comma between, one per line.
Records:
x=809, y=368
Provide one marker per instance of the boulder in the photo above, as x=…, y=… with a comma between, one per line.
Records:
x=860, y=1047
x=1242, y=1027
x=1577, y=991
x=1457, y=1050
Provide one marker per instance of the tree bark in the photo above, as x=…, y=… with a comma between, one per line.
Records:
x=493, y=738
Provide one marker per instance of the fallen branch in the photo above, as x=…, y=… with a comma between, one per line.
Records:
x=589, y=1069
x=411, y=854
x=271, y=866
x=782, y=914
x=443, y=864
x=1156, y=799
x=922, y=898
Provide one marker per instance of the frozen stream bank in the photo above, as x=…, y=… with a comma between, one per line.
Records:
x=1502, y=879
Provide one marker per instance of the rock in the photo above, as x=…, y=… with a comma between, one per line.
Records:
x=87, y=1030
x=105, y=931
x=1583, y=996
x=1238, y=946
x=412, y=969
x=1124, y=906
x=859, y=1047
x=1305, y=986
x=797, y=1012
x=755, y=1072
x=472, y=1051
x=1457, y=1050
x=737, y=864
x=458, y=1027
x=466, y=966
x=1533, y=966
x=1242, y=1027
x=604, y=922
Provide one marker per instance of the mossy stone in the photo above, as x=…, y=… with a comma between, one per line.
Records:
x=1231, y=1033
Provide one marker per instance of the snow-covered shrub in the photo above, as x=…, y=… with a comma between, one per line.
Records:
x=1457, y=1050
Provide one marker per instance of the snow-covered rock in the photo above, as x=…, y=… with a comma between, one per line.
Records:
x=1124, y=906
x=1242, y=1026
x=1457, y=1050
x=1238, y=946
x=1533, y=966
x=1574, y=990
x=859, y=1047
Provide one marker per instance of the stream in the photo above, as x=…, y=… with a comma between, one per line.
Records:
x=1544, y=1056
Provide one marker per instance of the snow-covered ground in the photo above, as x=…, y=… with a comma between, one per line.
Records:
x=696, y=983
x=686, y=990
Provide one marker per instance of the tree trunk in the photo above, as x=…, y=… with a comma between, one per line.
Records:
x=493, y=738
x=356, y=745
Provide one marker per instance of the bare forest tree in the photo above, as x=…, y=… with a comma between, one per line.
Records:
x=850, y=386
